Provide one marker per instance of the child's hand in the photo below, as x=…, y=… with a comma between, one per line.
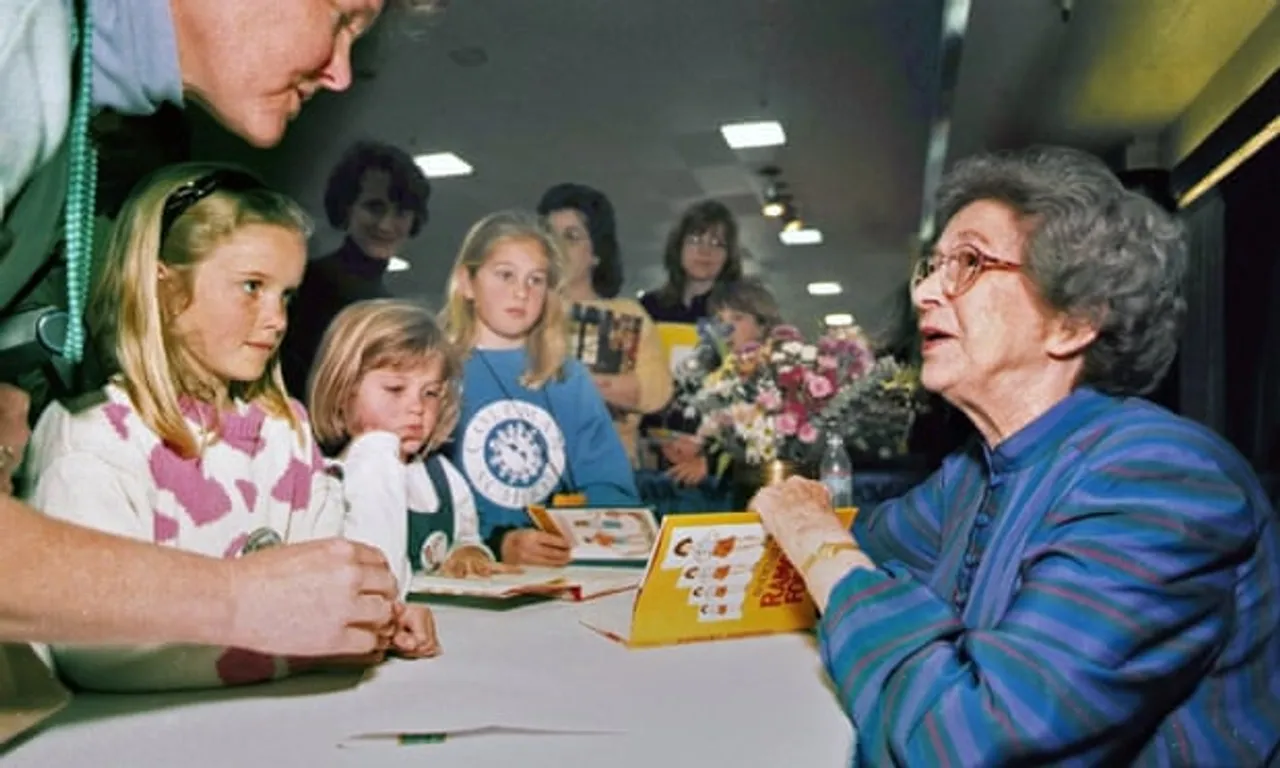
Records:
x=468, y=562
x=532, y=547
x=415, y=636
x=689, y=472
x=681, y=449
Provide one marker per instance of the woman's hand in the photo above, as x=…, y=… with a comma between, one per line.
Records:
x=473, y=562
x=415, y=636
x=797, y=514
x=15, y=408
x=533, y=547
x=620, y=390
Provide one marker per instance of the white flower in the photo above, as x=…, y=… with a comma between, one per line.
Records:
x=809, y=353
x=792, y=347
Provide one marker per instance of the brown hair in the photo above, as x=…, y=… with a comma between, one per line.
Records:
x=749, y=295
x=369, y=336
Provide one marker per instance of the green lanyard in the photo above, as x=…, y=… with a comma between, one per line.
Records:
x=81, y=188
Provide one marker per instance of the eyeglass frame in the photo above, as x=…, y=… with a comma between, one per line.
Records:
x=985, y=263
x=705, y=239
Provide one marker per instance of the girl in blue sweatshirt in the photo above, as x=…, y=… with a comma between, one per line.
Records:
x=532, y=423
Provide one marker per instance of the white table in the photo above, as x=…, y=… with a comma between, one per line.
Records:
x=752, y=702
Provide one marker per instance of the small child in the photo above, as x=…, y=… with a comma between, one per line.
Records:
x=533, y=423
x=194, y=444
x=383, y=398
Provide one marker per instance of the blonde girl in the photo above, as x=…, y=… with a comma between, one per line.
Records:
x=193, y=443
x=532, y=423
x=383, y=399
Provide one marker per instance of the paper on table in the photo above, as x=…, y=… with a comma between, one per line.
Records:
x=398, y=738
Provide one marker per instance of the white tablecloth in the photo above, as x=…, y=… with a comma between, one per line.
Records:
x=752, y=702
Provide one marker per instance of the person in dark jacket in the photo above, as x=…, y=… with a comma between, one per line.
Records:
x=378, y=196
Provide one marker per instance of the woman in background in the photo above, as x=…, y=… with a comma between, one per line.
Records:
x=378, y=196
x=583, y=219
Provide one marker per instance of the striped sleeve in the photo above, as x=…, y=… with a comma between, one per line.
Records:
x=1119, y=615
x=907, y=529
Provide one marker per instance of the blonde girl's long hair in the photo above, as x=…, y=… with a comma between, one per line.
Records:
x=547, y=343
x=200, y=204
x=372, y=335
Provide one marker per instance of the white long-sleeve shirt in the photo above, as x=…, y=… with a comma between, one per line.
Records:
x=102, y=467
x=379, y=487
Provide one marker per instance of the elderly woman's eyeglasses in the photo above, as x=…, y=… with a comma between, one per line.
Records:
x=960, y=268
x=705, y=241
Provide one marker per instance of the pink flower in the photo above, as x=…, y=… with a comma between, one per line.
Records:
x=787, y=424
x=818, y=386
x=790, y=377
x=769, y=400
x=827, y=363
x=807, y=433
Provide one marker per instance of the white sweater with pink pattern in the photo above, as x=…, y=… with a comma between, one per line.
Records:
x=103, y=468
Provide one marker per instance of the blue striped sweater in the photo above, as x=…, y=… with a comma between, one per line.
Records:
x=1101, y=588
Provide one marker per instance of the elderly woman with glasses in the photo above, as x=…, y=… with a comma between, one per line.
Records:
x=1095, y=581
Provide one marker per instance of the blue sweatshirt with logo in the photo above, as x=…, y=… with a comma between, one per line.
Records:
x=518, y=446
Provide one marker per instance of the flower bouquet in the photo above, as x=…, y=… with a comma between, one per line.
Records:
x=777, y=401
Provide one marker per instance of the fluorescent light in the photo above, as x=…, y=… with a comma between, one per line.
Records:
x=397, y=264
x=801, y=236
x=768, y=133
x=838, y=320
x=1233, y=161
x=825, y=289
x=440, y=165
x=773, y=210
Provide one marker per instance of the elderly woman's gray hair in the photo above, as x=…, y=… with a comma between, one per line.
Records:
x=1096, y=252
x=750, y=296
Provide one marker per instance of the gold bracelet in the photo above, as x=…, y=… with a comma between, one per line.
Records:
x=825, y=552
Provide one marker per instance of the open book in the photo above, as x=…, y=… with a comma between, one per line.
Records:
x=572, y=583
x=711, y=576
x=622, y=535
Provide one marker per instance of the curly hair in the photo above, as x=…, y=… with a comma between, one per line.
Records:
x=1096, y=252
x=698, y=219
x=409, y=189
x=606, y=276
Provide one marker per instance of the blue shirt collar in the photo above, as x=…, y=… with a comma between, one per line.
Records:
x=1046, y=433
x=135, y=56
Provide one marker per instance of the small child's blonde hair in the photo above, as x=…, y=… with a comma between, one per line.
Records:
x=369, y=336
x=547, y=344
x=125, y=316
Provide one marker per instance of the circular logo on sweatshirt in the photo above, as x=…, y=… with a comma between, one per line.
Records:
x=513, y=452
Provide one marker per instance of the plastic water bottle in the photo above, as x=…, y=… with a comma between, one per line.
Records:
x=837, y=472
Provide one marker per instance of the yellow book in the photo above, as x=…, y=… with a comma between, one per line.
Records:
x=711, y=577
x=679, y=340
